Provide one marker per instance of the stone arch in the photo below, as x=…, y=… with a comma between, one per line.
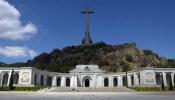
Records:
x=41, y=80
x=124, y=80
x=169, y=81
x=15, y=78
x=49, y=81
x=35, y=79
x=87, y=81
x=5, y=78
x=159, y=80
x=132, y=80
x=67, y=82
x=59, y=81
x=106, y=82
x=115, y=81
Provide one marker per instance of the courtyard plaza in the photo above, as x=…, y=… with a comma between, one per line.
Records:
x=87, y=96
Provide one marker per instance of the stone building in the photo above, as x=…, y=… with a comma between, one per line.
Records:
x=89, y=76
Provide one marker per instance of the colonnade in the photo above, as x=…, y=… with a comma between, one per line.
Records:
x=72, y=81
x=165, y=79
x=133, y=79
x=5, y=78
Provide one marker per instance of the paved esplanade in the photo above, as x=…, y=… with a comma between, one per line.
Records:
x=87, y=96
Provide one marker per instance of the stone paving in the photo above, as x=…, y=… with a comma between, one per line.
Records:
x=86, y=96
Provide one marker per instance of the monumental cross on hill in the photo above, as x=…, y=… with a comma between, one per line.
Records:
x=87, y=39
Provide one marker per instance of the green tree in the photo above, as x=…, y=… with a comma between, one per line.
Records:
x=144, y=64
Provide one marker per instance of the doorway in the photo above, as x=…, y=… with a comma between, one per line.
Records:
x=87, y=82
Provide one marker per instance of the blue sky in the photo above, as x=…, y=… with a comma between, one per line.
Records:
x=59, y=23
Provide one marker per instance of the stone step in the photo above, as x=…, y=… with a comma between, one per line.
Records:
x=83, y=89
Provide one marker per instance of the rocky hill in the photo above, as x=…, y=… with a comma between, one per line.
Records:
x=111, y=58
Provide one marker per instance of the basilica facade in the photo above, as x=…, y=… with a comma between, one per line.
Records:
x=89, y=76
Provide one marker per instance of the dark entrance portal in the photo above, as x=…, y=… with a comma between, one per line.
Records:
x=87, y=83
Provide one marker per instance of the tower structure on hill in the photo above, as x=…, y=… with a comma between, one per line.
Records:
x=87, y=39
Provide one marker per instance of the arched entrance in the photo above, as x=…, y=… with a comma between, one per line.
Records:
x=67, y=82
x=59, y=81
x=87, y=81
x=106, y=82
x=15, y=78
x=5, y=78
x=169, y=81
x=115, y=81
x=159, y=80
x=42, y=80
x=124, y=80
x=132, y=80
x=49, y=81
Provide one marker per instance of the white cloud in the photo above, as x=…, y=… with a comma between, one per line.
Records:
x=10, y=25
x=17, y=51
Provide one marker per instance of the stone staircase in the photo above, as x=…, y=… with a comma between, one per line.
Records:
x=83, y=89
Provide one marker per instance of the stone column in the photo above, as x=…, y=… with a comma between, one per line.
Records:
x=1, y=78
x=75, y=81
x=110, y=81
x=72, y=81
x=54, y=81
x=172, y=78
x=129, y=80
x=99, y=81
x=63, y=81
x=95, y=80
x=119, y=81
x=121, y=77
x=135, y=79
x=164, y=79
x=9, y=75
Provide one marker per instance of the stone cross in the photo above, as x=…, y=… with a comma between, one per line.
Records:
x=87, y=40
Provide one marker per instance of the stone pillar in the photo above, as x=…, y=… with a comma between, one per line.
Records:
x=75, y=81
x=119, y=81
x=164, y=79
x=95, y=80
x=92, y=82
x=110, y=81
x=129, y=80
x=54, y=81
x=9, y=74
x=135, y=79
x=172, y=78
x=1, y=78
x=99, y=81
x=72, y=81
x=121, y=77
x=63, y=81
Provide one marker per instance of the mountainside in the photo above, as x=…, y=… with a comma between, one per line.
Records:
x=2, y=64
x=111, y=58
